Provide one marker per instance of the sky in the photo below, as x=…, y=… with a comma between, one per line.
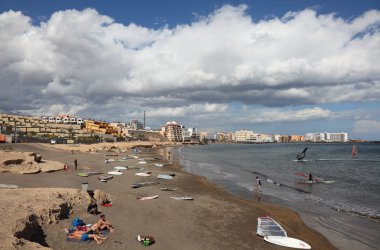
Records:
x=285, y=66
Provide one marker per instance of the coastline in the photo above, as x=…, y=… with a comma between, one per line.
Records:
x=215, y=219
x=343, y=230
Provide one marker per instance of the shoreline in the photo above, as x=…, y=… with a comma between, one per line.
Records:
x=215, y=219
x=336, y=226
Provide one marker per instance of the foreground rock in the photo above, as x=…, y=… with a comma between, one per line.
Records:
x=26, y=210
x=26, y=163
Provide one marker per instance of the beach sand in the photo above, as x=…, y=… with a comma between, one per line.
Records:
x=213, y=220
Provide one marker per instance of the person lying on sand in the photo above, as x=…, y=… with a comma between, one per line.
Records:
x=81, y=235
x=103, y=224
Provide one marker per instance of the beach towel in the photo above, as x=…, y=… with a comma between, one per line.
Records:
x=77, y=241
x=106, y=205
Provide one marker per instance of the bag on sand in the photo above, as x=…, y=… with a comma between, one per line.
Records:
x=77, y=222
x=145, y=240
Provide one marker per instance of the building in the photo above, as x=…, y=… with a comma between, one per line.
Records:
x=245, y=136
x=39, y=126
x=172, y=131
x=327, y=137
x=65, y=119
x=296, y=138
x=101, y=127
x=135, y=125
x=186, y=136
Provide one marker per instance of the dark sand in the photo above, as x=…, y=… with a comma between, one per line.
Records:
x=214, y=220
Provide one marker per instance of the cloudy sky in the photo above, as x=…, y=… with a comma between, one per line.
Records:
x=287, y=67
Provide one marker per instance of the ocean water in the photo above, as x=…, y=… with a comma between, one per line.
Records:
x=356, y=183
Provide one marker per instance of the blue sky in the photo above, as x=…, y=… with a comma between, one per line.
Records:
x=288, y=67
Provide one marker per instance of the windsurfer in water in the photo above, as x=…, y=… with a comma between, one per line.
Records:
x=311, y=177
x=354, y=152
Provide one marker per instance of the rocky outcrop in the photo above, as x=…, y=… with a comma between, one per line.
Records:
x=26, y=163
x=29, y=209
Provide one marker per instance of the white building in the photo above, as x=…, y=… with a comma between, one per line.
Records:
x=245, y=136
x=327, y=137
x=172, y=131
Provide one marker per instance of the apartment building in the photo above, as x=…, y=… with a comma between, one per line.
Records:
x=245, y=136
x=36, y=126
x=101, y=127
x=327, y=137
x=65, y=119
x=172, y=131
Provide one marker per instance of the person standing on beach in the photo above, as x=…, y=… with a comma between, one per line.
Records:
x=258, y=189
x=75, y=164
x=258, y=183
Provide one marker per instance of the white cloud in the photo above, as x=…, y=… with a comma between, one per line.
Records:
x=280, y=115
x=86, y=60
x=366, y=127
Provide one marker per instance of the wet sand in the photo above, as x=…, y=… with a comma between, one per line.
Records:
x=213, y=220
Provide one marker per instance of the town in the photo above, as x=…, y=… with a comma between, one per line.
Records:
x=71, y=129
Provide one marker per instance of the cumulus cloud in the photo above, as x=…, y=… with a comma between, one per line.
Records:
x=86, y=63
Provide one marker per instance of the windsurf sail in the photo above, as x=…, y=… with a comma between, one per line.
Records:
x=266, y=226
x=302, y=155
x=354, y=152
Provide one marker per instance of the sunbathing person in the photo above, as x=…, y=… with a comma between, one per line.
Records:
x=93, y=207
x=104, y=224
x=81, y=235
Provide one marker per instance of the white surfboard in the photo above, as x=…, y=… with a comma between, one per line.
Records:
x=115, y=173
x=158, y=165
x=8, y=186
x=148, y=198
x=142, y=174
x=142, y=162
x=183, y=198
x=164, y=176
x=287, y=242
x=120, y=168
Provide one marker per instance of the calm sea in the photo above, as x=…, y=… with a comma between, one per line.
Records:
x=355, y=188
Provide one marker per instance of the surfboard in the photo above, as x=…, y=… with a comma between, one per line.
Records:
x=105, y=177
x=287, y=242
x=82, y=174
x=169, y=188
x=300, y=160
x=147, y=198
x=142, y=174
x=164, y=176
x=115, y=173
x=120, y=168
x=142, y=162
x=158, y=165
x=8, y=186
x=184, y=198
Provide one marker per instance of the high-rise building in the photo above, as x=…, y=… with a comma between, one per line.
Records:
x=327, y=137
x=172, y=131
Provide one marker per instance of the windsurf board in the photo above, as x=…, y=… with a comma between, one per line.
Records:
x=287, y=242
x=164, y=176
x=143, y=174
x=8, y=186
x=115, y=173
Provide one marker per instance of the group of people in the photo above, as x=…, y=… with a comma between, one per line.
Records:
x=67, y=168
x=94, y=232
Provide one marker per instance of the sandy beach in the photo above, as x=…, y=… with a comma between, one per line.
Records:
x=213, y=220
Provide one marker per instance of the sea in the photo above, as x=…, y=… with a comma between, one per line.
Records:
x=346, y=207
